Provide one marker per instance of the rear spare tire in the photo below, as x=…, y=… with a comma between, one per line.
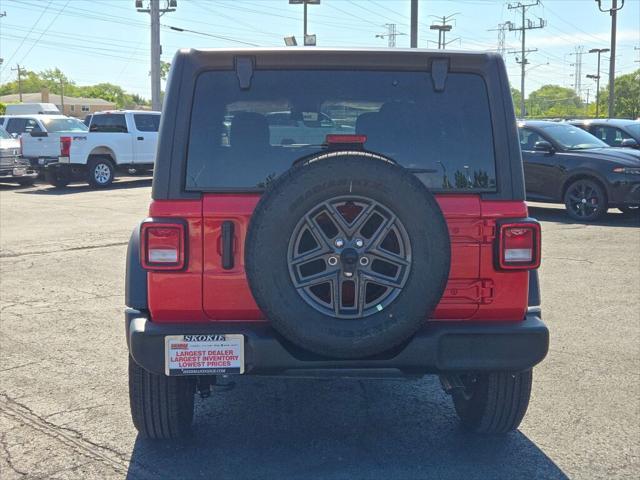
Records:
x=347, y=254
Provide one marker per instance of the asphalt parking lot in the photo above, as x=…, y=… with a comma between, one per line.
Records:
x=64, y=409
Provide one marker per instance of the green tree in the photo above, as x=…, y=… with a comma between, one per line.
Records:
x=627, y=88
x=164, y=69
x=516, y=97
x=553, y=101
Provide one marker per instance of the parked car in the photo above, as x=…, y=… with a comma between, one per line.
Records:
x=287, y=128
x=32, y=109
x=40, y=135
x=12, y=167
x=615, y=132
x=396, y=250
x=565, y=164
x=117, y=140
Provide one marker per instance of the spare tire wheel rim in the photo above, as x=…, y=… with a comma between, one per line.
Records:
x=349, y=257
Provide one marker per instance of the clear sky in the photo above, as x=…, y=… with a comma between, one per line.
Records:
x=95, y=41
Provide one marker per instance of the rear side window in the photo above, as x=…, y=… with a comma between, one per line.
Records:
x=611, y=135
x=110, y=123
x=64, y=125
x=146, y=123
x=242, y=139
x=22, y=125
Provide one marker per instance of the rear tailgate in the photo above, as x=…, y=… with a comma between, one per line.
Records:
x=41, y=146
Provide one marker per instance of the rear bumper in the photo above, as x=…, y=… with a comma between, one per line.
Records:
x=439, y=347
x=9, y=172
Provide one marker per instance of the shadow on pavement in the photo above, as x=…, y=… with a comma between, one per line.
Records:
x=325, y=429
x=612, y=219
x=83, y=187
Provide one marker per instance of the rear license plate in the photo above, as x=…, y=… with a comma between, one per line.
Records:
x=19, y=171
x=204, y=354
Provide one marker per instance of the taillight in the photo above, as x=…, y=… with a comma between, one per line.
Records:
x=519, y=245
x=65, y=146
x=163, y=245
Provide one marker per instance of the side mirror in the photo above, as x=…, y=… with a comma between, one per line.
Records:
x=629, y=143
x=15, y=135
x=38, y=134
x=543, y=146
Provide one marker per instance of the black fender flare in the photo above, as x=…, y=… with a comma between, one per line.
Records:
x=135, y=286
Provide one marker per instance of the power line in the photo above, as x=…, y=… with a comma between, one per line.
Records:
x=45, y=30
x=29, y=33
x=205, y=34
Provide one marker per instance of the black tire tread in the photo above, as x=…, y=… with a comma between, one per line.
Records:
x=161, y=407
x=498, y=405
x=260, y=289
x=602, y=192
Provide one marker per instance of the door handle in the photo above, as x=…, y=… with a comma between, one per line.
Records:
x=227, y=245
x=140, y=138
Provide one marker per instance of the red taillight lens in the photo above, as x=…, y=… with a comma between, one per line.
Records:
x=163, y=246
x=333, y=139
x=65, y=146
x=519, y=246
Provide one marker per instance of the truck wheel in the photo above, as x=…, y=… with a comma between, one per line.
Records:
x=585, y=200
x=493, y=403
x=161, y=407
x=100, y=171
x=347, y=254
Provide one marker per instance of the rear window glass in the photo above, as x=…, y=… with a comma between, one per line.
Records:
x=108, y=123
x=64, y=125
x=242, y=139
x=146, y=123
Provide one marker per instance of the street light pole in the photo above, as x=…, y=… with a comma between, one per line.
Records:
x=597, y=78
x=613, y=11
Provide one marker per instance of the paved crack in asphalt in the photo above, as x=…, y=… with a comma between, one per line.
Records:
x=69, y=437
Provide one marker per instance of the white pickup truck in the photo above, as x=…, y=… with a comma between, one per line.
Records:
x=115, y=140
x=40, y=135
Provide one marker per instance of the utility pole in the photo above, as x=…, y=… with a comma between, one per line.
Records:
x=155, y=12
x=62, y=94
x=443, y=28
x=391, y=34
x=414, y=23
x=526, y=24
x=613, y=11
x=577, y=76
x=597, y=77
x=19, y=69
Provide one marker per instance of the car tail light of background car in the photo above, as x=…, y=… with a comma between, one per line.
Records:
x=65, y=146
x=163, y=245
x=518, y=245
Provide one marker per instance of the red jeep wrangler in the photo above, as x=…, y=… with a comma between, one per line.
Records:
x=335, y=212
